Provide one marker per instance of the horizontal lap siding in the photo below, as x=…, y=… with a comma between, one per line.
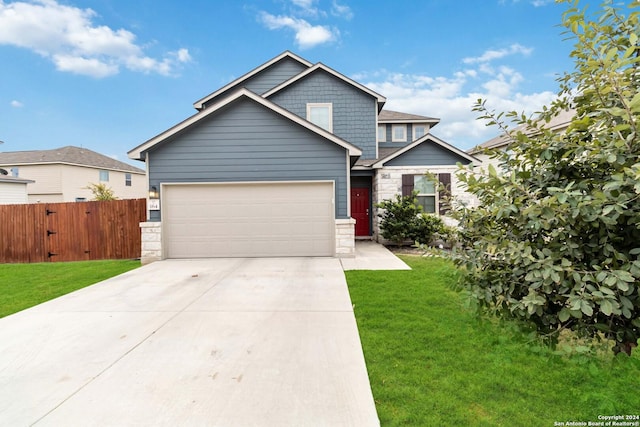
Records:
x=249, y=142
x=354, y=111
x=427, y=154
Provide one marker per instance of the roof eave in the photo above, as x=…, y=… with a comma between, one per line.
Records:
x=138, y=153
x=199, y=104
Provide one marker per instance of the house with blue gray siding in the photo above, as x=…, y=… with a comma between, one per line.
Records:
x=289, y=159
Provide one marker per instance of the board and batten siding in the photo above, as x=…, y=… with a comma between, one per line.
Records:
x=427, y=154
x=248, y=142
x=354, y=111
x=266, y=79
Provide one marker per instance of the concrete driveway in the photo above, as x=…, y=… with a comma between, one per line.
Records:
x=215, y=342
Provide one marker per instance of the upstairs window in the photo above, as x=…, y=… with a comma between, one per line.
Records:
x=321, y=115
x=127, y=179
x=419, y=131
x=104, y=176
x=398, y=133
x=382, y=133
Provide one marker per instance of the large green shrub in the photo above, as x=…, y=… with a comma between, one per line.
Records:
x=556, y=240
x=402, y=220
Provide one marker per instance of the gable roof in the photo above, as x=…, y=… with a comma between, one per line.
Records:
x=557, y=123
x=388, y=116
x=199, y=104
x=69, y=155
x=138, y=152
x=428, y=137
x=320, y=66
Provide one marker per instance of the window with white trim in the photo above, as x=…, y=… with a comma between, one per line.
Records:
x=382, y=133
x=427, y=193
x=321, y=115
x=104, y=176
x=127, y=180
x=419, y=130
x=398, y=133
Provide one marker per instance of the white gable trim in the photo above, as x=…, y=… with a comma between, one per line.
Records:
x=428, y=137
x=199, y=104
x=320, y=66
x=138, y=152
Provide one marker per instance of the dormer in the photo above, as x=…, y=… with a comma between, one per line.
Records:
x=397, y=129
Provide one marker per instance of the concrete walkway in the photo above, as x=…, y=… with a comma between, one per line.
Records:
x=373, y=256
x=216, y=342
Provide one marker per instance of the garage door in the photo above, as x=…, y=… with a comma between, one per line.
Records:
x=248, y=220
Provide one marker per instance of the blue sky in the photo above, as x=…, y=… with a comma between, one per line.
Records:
x=110, y=74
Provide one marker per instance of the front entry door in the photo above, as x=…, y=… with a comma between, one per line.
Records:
x=360, y=210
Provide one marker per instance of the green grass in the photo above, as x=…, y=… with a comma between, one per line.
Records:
x=25, y=285
x=431, y=362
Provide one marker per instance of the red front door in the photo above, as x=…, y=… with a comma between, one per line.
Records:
x=360, y=210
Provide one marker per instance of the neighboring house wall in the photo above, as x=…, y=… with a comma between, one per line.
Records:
x=65, y=183
x=354, y=112
x=248, y=143
x=267, y=79
x=13, y=193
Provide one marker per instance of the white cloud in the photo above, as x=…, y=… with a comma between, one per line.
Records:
x=451, y=98
x=341, y=10
x=306, y=35
x=68, y=36
x=493, y=54
x=16, y=104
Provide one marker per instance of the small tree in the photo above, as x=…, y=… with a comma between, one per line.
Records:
x=556, y=240
x=101, y=192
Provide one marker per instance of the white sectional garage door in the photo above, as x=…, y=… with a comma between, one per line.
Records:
x=248, y=220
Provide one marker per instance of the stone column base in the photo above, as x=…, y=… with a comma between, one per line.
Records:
x=345, y=238
x=151, y=242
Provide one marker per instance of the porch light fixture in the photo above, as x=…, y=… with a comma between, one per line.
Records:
x=153, y=193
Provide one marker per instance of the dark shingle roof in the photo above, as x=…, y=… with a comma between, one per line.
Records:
x=395, y=116
x=68, y=155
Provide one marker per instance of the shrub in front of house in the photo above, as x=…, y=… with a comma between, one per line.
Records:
x=403, y=221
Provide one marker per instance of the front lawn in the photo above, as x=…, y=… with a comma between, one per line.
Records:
x=25, y=285
x=431, y=362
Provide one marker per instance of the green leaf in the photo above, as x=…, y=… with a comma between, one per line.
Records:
x=564, y=315
x=606, y=307
x=586, y=308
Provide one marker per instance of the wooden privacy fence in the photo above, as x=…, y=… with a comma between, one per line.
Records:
x=49, y=232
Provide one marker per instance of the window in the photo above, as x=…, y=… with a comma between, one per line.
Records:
x=398, y=133
x=321, y=115
x=15, y=171
x=127, y=179
x=419, y=131
x=81, y=199
x=382, y=133
x=104, y=176
x=427, y=194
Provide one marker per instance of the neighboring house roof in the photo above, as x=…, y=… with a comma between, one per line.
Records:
x=557, y=123
x=69, y=155
x=320, y=66
x=199, y=104
x=388, y=116
x=386, y=156
x=138, y=152
x=15, y=180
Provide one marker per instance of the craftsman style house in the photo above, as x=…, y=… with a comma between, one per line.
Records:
x=287, y=160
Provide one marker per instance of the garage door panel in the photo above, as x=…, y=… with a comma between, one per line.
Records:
x=238, y=220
